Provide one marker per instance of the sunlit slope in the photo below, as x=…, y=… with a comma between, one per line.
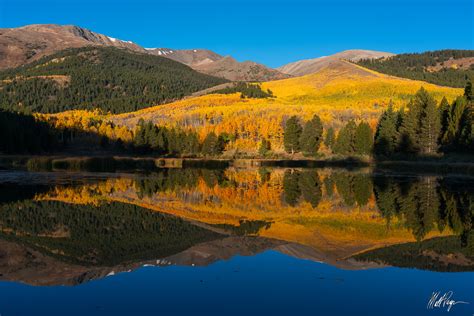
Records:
x=337, y=93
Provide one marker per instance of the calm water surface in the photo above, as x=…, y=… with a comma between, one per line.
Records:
x=235, y=242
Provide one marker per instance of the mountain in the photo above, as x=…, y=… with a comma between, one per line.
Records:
x=106, y=78
x=190, y=57
x=210, y=63
x=229, y=68
x=25, y=44
x=19, y=46
x=450, y=67
x=308, y=66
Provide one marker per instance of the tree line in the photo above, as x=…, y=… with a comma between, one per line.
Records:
x=247, y=90
x=422, y=128
x=20, y=133
x=425, y=128
x=150, y=138
x=105, y=78
x=416, y=66
x=352, y=139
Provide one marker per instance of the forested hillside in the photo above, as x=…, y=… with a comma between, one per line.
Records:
x=106, y=78
x=448, y=67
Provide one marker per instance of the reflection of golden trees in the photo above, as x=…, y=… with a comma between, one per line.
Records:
x=232, y=196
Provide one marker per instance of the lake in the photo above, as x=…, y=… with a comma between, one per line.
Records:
x=252, y=241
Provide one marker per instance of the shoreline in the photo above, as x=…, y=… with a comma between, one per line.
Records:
x=118, y=162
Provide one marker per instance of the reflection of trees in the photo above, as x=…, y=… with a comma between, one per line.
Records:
x=310, y=186
x=426, y=203
x=329, y=186
x=420, y=205
x=213, y=177
x=291, y=187
x=457, y=205
x=264, y=174
x=175, y=179
x=353, y=188
x=246, y=227
x=302, y=183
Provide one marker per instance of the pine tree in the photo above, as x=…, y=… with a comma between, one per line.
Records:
x=265, y=147
x=430, y=126
x=444, y=109
x=345, y=141
x=211, y=146
x=386, y=135
x=468, y=91
x=191, y=143
x=330, y=138
x=466, y=126
x=311, y=137
x=140, y=140
x=292, y=134
x=421, y=125
x=364, y=139
x=452, y=128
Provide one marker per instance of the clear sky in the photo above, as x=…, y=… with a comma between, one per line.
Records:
x=270, y=32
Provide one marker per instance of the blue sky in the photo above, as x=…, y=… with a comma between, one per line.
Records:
x=270, y=32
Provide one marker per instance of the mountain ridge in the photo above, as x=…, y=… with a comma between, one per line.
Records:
x=308, y=66
x=26, y=44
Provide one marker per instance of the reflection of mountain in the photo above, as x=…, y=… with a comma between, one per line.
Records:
x=333, y=211
x=98, y=235
x=438, y=254
x=21, y=263
x=347, y=219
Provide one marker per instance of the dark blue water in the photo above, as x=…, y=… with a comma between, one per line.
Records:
x=266, y=284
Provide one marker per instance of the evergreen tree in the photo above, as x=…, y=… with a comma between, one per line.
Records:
x=421, y=125
x=452, y=123
x=292, y=134
x=311, y=136
x=191, y=143
x=345, y=142
x=265, y=147
x=468, y=91
x=444, y=109
x=386, y=135
x=364, y=139
x=211, y=146
x=162, y=140
x=139, y=138
x=330, y=138
x=466, y=126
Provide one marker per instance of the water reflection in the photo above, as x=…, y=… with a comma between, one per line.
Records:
x=351, y=219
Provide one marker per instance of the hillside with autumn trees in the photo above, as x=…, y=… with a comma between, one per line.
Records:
x=339, y=111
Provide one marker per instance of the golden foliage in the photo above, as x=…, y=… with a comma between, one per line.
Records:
x=331, y=226
x=336, y=94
